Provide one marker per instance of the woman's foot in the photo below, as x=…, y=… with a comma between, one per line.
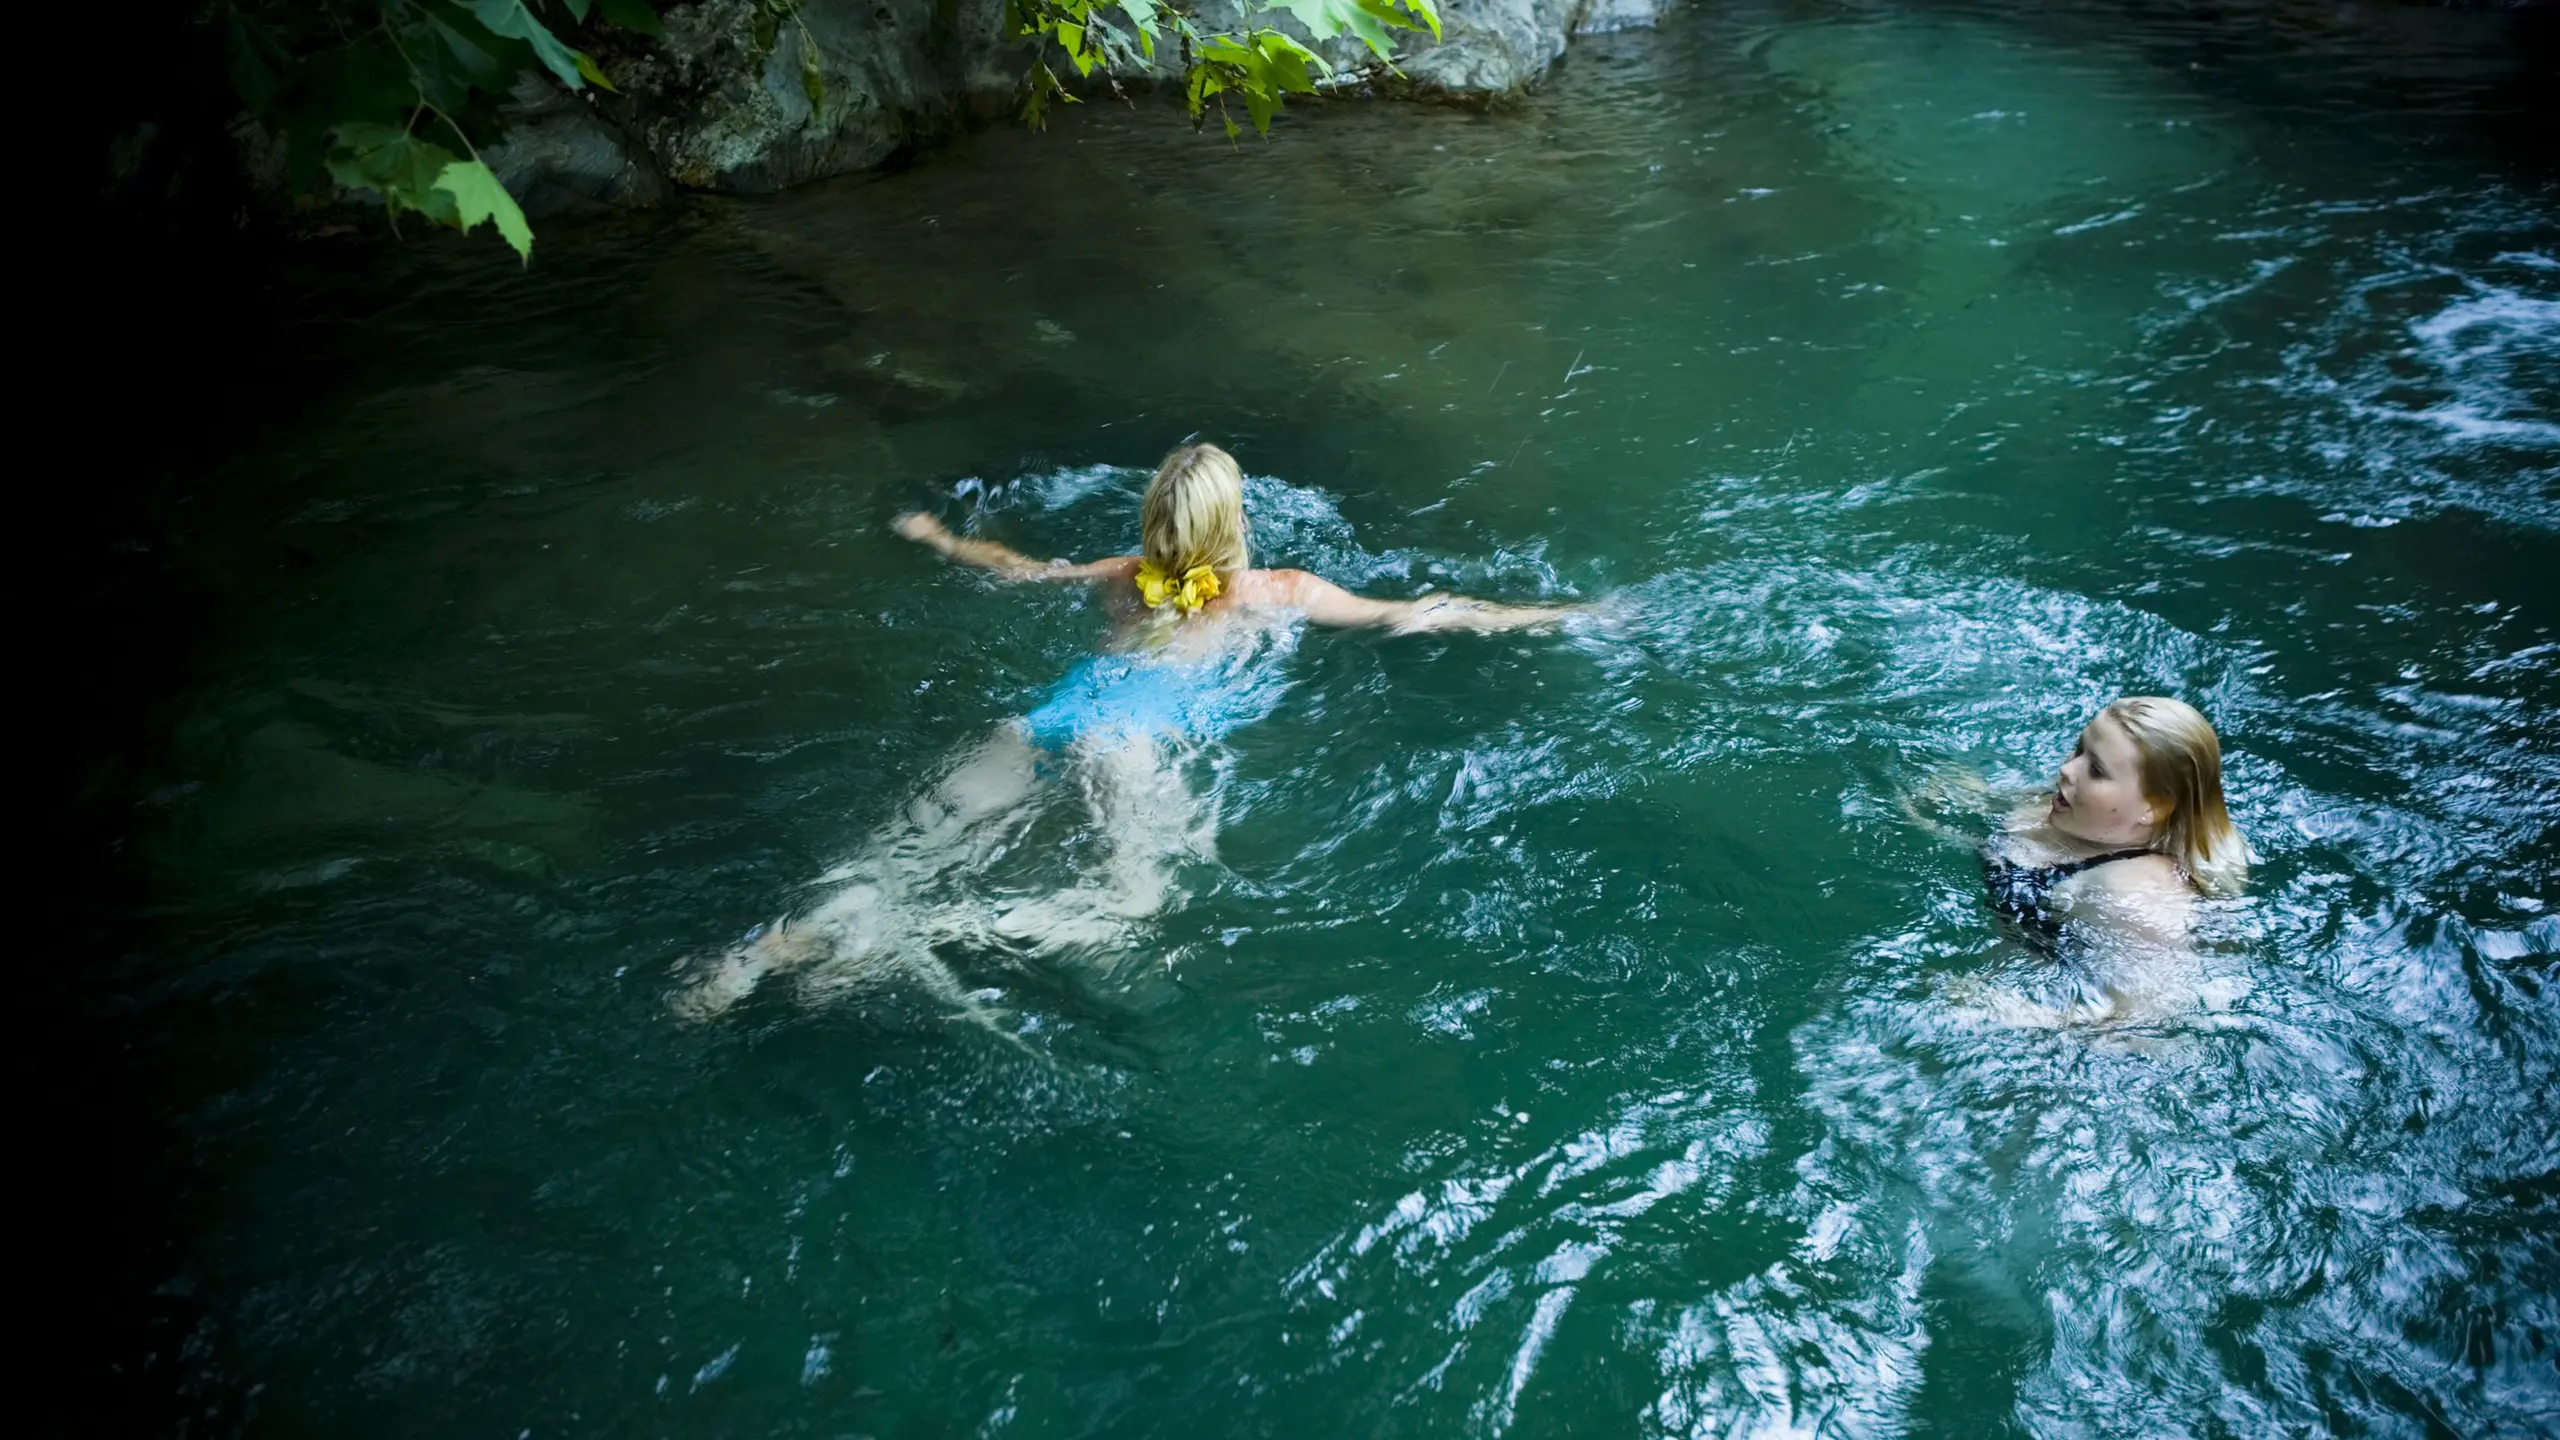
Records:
x=734, y=976
x=727, y=980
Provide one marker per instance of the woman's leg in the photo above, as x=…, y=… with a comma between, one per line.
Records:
x=990, y=783
x=1150, y=822
x=873, y=922
x=1140, y=798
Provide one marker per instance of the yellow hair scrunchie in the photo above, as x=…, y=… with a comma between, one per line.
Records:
x=1198, y=587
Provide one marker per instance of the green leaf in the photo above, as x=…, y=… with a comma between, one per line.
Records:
x=577, y=10
x=1286, y=62
x=1370, y=20
x=511, y=19
x=587, y=67
x=1423, y=11
x=1044, y=88
x=394, y=164
x=364, y=80
x=486, y=70
x=434, y=76
x=387, y=159
x=1263, y=106
x=1071, y=39
x=255, y=59
x=1225, y=50
x=632, y=15
x=478, y=196
x=813, y=82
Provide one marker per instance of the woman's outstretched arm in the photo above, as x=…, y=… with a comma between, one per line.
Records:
x=1329, y=604
x=1006, y=562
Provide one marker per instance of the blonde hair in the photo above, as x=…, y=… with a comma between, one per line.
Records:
x=1194, y=513
x=2182, y=776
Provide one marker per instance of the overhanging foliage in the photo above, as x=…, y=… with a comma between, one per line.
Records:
x=396, y=98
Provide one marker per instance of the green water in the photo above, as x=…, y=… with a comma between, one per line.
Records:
x=1559, y=1041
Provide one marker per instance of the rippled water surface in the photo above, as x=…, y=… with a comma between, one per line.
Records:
x=1567, y=1035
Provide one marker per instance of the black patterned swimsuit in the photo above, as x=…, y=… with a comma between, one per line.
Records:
x=2023, y=894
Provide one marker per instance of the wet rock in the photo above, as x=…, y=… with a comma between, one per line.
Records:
x=560, y=156
x=1493, y=47
x=1487, y=49
x=723, y=101
x=1608, y=17
x=1348, y=57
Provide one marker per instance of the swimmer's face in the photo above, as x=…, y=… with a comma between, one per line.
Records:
x=2098, y=796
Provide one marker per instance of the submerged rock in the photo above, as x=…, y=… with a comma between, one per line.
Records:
x=921, y=379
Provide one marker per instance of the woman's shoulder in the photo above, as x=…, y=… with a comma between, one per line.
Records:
x=2150, y=874
x=2144, y=898
x=1272, y=587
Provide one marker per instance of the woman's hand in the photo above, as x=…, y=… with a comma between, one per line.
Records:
x=1006, y=562
x=1953, y=803
x=922, y=528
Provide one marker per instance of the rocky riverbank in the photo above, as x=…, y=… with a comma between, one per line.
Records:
x=720, y=103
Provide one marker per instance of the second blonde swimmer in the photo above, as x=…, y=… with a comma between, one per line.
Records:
x=2101, y=874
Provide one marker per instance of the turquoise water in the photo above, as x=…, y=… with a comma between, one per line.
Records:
x=1564, y=1033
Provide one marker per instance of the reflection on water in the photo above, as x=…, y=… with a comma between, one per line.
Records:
x=1565, y=1031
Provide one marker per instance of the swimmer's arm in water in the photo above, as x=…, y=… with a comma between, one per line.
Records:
x=1007, y=562
x=1329, y=604
x=1952, y=802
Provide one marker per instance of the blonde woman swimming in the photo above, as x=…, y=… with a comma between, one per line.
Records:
x=2102, y=874
x=1190, y=616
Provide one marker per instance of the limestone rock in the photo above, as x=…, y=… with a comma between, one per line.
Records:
x=1487, y=49
x=722, y=105
x=1348, y=57
x=560, y=155
x=1608, y=17
x=1493, y=47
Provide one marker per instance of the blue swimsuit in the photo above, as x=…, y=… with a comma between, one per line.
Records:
x=1120, y=697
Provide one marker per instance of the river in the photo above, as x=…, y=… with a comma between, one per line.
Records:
x=1565, y=1036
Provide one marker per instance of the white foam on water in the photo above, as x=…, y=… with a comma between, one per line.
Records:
x=2484, y=348
x=2378, y=416
x=1524, y=1358
x=1570, y=1203
x=2144, y=1201
x=2099, y=222
x=1767, y=1360
x=1890, y=656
